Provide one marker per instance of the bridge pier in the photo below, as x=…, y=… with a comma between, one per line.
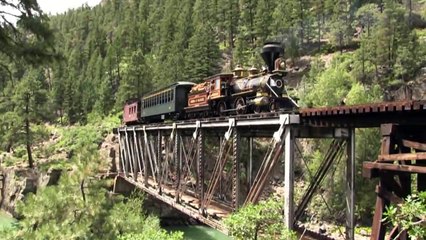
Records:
x=235, y=169
x=201, y=166
x=350, y=185
x=401, y=159
x=289, y=178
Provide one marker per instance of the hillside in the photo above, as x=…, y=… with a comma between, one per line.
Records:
x=123, y=49
x=62, y=89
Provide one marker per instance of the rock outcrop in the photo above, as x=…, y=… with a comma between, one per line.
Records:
x=17, y=183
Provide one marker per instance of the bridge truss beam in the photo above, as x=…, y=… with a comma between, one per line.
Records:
x=172, y=163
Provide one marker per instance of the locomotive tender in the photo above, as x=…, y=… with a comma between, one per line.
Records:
x=244, y=91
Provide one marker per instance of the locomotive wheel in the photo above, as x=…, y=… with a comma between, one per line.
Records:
x=240, y=105
x=274, y=106
x=221, y=109
x=257, y=109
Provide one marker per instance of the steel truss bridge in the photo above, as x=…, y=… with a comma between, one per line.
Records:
x=171, y=161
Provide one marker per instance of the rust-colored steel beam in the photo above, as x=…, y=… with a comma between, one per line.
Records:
x=401, y=157
x=414, y=145
x=394, y=167
x=201, y=167
x=330, y=157
x=235, y=169
x=383, y=107
x=366, y=115
x=219, y=166
x=268, y=164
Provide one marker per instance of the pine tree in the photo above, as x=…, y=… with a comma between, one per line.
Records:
x=263, y=21
x=30, y=38
x=57, y=95
x=391, y=29
x=247, y=21
x=184, y=30
x=341, y=31
x=245, y=39
x=136, y=78
x=284, y=17
x=228, y=15
x=203, y=52
x=367, y=17
x=29, y=98
x=164, y=47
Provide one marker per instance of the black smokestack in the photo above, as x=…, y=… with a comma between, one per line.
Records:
x=270, y=52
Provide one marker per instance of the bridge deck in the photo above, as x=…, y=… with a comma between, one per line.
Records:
x=366, y=115
x=359, y=116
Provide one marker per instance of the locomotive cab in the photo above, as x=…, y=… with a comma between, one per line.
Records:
x=210, y=97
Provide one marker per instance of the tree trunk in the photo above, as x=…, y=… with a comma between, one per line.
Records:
x=319, y=32
x=231, y=38
x=410, y=12
x=302, y=27
x=251, y=26
x=363, y=66
x=376, y=68
x=27, y=132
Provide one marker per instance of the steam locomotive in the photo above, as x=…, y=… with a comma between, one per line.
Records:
x=240, y=92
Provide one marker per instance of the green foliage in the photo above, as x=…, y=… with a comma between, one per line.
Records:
x=151, y=231
x=410, y=215
x=63, y=211
x=259, y=221
x=123, y=50
x=367, y=16
x=79, y=206
x=340, y=28
x=24, y=32
x=328, y=87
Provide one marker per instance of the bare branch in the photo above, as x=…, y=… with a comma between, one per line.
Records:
x=10, y=14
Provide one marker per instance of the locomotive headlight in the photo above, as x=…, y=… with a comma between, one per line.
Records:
x=273, y=83
x=279, y=83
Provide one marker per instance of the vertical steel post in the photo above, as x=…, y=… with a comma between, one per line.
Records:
x=137, y=155
x=288, y=178
x=220, y=175
x=129, y=156
x=151, y=156
x=159, y=161
x=250, y=165
x=122, y=156
x=235, y=169
x=200, y=165
x=142, y=163
x=132, y=155
x=146, y=159
x=178, y=163
x=350, y=186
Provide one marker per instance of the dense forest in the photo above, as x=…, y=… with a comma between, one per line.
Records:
x=123, y=49
x=78, y=67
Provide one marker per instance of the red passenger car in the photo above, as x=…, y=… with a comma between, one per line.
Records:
x=131, y=111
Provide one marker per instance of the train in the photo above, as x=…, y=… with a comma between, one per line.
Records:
x=245, y=91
